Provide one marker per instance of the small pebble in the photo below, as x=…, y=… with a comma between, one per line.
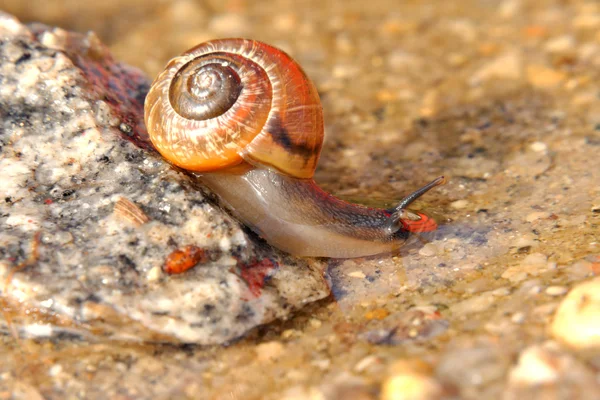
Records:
x=55, y=370
x=322, y=364
x=560, y=44
x=535, y=366
x=378, y=313
x=525, y=241
x=269, y=351
x=556, y=290
x=459, y=204
x=367, y=362
x=534, y=216
x=154, y=274
x=577, y=320
x=507, y=66
x=539, y=146
x=290, y=333
x=357, y=274
x=535, y=259
x=503, y=291
x=410, y=380
x=543, y=77
x=586, y=21
x=428, y=250
x=315, y=323
x=518, y=318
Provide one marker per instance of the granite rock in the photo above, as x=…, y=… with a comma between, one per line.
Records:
x=89, y=212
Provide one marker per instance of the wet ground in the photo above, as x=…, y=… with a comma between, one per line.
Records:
x=501, y=97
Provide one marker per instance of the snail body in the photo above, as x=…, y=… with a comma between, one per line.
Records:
x=244, y=120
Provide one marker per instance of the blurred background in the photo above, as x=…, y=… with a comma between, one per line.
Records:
x=381, y=66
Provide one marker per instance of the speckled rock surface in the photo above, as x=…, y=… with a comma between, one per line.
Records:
x=89, y=213
x=500, y=96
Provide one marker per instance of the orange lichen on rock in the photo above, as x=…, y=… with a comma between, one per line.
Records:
x=183, y=259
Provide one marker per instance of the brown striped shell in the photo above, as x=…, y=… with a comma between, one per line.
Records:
x=233, y=100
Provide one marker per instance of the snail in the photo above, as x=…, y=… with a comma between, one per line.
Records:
x=244, y=120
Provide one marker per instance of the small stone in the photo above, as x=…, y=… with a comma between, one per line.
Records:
x=480, y=364
x=290, y=333
x=410, y=379
x=535, y=366
x=539, y=146
x=367, y=362
x=323, y=364
x=556, y=290
x=269, y=351
x=459, y=204
x=315, y=323
x=534, y=216
x=577, y=320
x=474, y=304
x=153, y=274
x=586, y=21
x=378, y=313
x=503, y=291
x=357, y=274
x=532, y=265
x=560, y=44
x=535, y=259
x=509, y=8
x=428, y=250
x=543, y=77
x=400, y=60
x=518, y=317
x=475, y=167
x=429, y=103
x=506, y=66
x=55, y=370
x=526, y=241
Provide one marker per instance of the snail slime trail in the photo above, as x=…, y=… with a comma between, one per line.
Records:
x=243, y=119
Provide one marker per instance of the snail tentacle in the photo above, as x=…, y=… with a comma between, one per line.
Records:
x=402, y=218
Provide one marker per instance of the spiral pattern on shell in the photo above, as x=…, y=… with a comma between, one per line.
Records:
x=233, y=100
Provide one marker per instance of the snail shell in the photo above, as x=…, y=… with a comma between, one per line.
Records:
x=244, y=120
x=234, y=100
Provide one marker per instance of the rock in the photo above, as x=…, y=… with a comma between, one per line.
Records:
x=539, y=146
x=533, y=265
x=586, y=21
x=543, y=77
x=479, y=365
x=556, y=290
x=430, y=249
x=475, y=168
x=506, y=66
x=73, y=147
x=416, y=324
x=269, y=351
x=560, y=44
x=411, y=380
x=537, y=215
x=577, y=320
x=459, y=204
x=546, y=371
x=536, y=366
